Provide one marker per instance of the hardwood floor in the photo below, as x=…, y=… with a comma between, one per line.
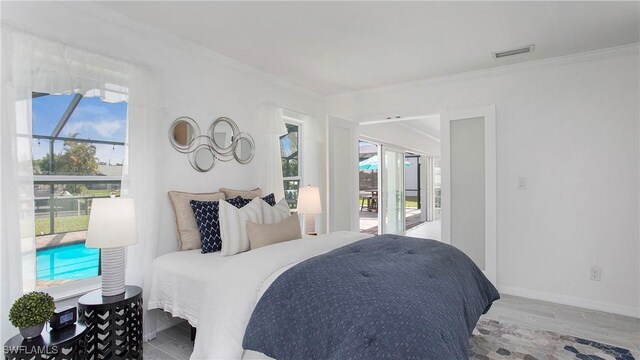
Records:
x=623, y=331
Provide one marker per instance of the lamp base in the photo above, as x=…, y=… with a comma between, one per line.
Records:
x=112, y=270
x=310, y=224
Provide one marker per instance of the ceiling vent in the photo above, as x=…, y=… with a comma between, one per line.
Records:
x=521, y=50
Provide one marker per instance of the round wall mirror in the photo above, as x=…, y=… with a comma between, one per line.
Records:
x=244, y=148
x=223, y=131
x=183, y=133
x=202, y=159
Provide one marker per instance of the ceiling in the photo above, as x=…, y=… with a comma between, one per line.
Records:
x=337, y=47
x=429, y=126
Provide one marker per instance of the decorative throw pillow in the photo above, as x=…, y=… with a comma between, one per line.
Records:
x=276, y=213
x=240, y=201
x=247, y=194
x=270, y=199
x=188, y=232
x=208, y=220
x=233, y=225
x=266, y=234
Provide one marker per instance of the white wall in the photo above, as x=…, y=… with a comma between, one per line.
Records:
x=193, y=82
x=571, y=126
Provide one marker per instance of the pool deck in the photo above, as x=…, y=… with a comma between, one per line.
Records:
x=47, y=241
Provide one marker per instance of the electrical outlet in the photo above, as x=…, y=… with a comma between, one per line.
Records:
x=595, y=273
x=522, y=183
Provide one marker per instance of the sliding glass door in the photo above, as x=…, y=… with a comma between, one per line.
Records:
x=392, y=189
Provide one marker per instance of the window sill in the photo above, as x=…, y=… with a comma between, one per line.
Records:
x=74, y=289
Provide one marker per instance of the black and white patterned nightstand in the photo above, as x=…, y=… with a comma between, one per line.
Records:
x=114, y=324
x=64, y=344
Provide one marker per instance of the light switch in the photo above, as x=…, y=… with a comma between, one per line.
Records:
x=522, y=183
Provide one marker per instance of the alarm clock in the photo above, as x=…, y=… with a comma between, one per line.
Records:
x=63, y=317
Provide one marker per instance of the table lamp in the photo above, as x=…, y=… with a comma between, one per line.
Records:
x=112, y=226
x=309, y=206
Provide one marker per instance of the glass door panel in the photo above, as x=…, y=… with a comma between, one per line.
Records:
x=393, y=200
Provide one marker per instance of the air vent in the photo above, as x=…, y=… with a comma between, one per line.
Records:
x=522, y=50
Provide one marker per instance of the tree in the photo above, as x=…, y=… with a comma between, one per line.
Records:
x=77, y=158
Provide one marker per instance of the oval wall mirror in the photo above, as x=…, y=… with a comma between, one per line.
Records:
x=223, y=132
x=183, y=133
x=244, y=149
x=202, y=159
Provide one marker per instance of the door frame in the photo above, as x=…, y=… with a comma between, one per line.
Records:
x=487, y=112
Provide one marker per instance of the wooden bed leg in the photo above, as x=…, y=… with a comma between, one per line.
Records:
x=193, y=333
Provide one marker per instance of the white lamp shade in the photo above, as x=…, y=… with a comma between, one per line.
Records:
x=112, y=223
x=309, y=200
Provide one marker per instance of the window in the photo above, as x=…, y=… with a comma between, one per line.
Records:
x=78, y=151
x=291, y=172
x=437, y=184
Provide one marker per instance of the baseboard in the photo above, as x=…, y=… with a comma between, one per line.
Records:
x=572, y=301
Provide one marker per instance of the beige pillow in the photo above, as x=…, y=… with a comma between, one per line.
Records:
x=266, y=234
x=188, y=232
x=245, y=194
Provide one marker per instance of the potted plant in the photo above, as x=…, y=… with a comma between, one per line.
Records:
x=30, y=312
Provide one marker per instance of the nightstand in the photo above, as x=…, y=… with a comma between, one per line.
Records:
x=114, y=324
x=67, y=343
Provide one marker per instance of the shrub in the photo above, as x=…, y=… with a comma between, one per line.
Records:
x=31, y=309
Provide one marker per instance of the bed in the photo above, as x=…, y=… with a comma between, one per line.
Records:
x=234, y=301
x=177, y=284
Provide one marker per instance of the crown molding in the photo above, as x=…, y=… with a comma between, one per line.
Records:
x=500, y=70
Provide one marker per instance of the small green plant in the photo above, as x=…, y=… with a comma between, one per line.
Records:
x=31, y=309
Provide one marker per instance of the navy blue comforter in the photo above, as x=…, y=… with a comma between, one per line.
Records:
x=387, y=297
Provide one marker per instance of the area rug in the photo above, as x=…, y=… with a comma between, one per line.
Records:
x=496, y=340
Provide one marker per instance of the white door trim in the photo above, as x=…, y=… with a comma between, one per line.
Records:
x=488, y=112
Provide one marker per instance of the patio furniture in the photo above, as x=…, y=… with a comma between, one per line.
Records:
x=370, y=198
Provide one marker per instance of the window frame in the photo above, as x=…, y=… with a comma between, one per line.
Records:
x=84, y=285
x=291, y=120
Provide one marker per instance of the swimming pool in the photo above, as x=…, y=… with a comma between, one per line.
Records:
x=67, y=262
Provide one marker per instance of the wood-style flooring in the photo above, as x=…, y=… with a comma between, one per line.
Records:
x=174, y=343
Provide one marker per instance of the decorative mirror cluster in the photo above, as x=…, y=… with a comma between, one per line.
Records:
x=224, y=142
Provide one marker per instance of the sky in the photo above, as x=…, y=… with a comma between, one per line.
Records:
x=92, y=119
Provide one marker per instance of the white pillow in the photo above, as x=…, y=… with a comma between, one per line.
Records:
x=276, y=213
x=233, y=225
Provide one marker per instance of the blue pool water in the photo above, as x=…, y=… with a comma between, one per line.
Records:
x=67, y=262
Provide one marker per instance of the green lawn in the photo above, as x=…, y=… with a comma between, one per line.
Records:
x=62, y=224
x=98, y=193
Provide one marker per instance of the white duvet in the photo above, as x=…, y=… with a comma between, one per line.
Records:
x=179, y=279
x=237, y=284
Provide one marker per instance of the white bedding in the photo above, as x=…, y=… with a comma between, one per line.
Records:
x=235, y=285
x=179, y=280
